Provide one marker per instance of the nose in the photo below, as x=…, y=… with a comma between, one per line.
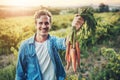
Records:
x=44, y=26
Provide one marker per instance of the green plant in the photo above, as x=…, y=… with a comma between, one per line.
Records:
x=8, y=73
x=111, y=70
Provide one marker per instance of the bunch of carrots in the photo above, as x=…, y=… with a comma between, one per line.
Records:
x=73, y=52
x=73, y=48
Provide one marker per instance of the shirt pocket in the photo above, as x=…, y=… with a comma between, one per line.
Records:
x=30, y=64
x=32, y=73
x=31, y=68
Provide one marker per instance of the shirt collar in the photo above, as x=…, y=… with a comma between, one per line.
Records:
x=32, y=39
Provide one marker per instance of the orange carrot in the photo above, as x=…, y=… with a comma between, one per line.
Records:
x=67, y=51
x=67, y=55
x=68, y=65
x=73, y=58
x=78, y=53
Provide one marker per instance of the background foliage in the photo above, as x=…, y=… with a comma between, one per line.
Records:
x=100, y=54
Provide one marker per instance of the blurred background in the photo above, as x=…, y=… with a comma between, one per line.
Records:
x=100, y=53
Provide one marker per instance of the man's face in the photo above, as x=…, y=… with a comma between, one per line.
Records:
x=43, y=25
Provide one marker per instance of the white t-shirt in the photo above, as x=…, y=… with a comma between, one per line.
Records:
x=46, y=65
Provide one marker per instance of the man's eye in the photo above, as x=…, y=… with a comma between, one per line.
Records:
x=46, y=23
x=40, y=23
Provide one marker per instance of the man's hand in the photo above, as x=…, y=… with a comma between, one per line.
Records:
x=77, y=22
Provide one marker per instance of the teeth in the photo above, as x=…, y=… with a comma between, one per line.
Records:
x=43, y=30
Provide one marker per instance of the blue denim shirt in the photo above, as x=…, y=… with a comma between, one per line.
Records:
x=28, y=66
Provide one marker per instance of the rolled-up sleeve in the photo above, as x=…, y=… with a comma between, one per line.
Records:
x=60, y=43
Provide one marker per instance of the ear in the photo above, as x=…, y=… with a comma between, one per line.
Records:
x=35, y=25
x=35, y=21
x=50, y=25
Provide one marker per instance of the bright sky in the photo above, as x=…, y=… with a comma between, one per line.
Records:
x=56, y=2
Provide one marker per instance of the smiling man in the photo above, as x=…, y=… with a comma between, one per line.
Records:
x=38, y=57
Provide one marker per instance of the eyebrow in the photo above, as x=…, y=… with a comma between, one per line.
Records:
x=44, y=22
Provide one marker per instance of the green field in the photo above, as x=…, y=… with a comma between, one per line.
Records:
x=100, y=54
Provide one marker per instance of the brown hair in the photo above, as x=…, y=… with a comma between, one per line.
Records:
x=42, y=12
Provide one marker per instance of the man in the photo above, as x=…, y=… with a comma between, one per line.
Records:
x=38, y=57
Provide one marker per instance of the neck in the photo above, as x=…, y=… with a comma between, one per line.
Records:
x=41, y=38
